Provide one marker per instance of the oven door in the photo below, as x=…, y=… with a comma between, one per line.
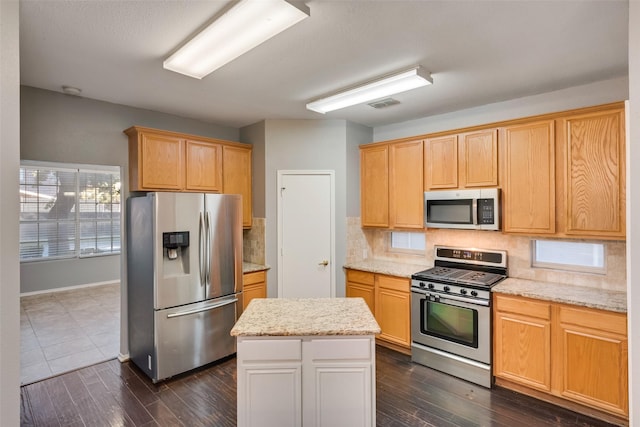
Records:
x=452, y=324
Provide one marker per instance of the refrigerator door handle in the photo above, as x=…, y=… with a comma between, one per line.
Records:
x=201, y=249
x=201, y=309
x=208, y=254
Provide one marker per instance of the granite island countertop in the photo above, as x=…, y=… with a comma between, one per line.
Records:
x=306, y=317
x=568, y=294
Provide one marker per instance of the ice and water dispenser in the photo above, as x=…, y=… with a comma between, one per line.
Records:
x=176, y=253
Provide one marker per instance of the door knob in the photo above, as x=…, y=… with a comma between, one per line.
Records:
x=325, y=263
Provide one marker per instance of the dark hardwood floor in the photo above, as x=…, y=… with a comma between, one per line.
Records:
x=118, y=394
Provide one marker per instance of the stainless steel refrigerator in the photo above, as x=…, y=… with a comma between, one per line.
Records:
x=184, y=279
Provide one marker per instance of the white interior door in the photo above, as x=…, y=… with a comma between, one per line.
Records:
x=306, y=234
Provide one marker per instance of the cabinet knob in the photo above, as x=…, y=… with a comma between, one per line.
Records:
x=325, y=263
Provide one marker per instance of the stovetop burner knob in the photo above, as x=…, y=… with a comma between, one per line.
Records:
x=422, y=284
x=463, y=291
x=474, y=293
x=446, y=289
x=431, y=286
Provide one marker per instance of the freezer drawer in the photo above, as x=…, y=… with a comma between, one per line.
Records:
x=193, y=335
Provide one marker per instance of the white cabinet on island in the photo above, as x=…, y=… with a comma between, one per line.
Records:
x=306, y=362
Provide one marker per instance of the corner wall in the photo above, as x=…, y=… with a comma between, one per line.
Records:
x=69, y=129
x=9, y=184
x=633, y=205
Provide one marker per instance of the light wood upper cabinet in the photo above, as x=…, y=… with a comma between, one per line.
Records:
x=236, y=163
x=529, y=178
x=478, y=159
x=374, y=186
x=203, y=166
x=156, y=161
x=465, y=160
x=593, y=146
x=405, y=185
x=170, y=161
x=441, y=162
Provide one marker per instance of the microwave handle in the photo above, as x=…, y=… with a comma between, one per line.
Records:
x=474, y=211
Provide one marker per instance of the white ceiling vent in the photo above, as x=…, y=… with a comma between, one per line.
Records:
x=383, y=103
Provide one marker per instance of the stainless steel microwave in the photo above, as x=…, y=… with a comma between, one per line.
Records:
x=472, y=209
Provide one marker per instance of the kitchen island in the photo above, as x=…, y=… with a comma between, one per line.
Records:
x=306, y=362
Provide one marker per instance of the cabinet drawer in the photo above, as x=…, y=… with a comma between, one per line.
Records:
x=594, y=319
x=360, y=277
x=523, y=306
x=332, y=349
x=253, y=278
x=394, y=283
x=270, y=350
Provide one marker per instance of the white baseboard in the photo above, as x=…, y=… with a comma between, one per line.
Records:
x=69, y=288
x=123, y=357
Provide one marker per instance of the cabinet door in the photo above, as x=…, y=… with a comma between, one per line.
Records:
x=522, y=342
x=374, y=186
x=593, y=357
x=441, y=162
x=393, y=305
x=594, y=150
x=203, y=166
x=406, y=190
x=338, y=382
x=269, y=383
x=237, y=178
x=478, y=159
x=361, y=284
x=529, y=178
x=160, y=162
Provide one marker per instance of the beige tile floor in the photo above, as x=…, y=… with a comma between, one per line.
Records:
x=66, y=330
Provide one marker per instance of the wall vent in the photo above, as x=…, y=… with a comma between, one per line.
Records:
x=383, y=103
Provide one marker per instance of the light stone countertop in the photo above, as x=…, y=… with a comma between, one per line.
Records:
x=388, y=267
x=306, y=316
x=569, y=294
x=248, y=267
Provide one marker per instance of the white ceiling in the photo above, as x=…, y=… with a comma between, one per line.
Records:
x=478, y=52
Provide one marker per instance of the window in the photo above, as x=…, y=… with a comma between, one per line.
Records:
x=405, y=241
x=68, y=211
x=573, y=256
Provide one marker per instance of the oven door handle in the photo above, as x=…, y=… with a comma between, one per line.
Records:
x=444, y=297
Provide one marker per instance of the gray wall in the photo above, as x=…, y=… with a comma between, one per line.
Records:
x=633, y=205
x=305, y=145
x=61, y=128
x=255, y=135
x=597, y=93
x=9, y=183
x=356, y=135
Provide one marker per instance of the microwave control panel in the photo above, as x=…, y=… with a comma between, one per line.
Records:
x=485, y=211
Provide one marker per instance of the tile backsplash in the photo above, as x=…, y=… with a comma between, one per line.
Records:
x=253, y=242
x=373, y=243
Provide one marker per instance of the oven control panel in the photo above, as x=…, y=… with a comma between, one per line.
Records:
x=451, y=289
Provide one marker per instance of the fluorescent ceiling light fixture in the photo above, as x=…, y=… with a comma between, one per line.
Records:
x=380, y=88
x=243, y=27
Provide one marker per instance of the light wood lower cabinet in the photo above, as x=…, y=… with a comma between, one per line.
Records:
x=320, y=381
x=576, y=354
x=254, y=286
x=389, y=299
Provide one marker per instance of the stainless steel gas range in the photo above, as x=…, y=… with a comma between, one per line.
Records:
x=451, y=312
